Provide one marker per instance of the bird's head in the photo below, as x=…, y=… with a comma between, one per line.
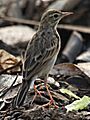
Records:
x=52, y=17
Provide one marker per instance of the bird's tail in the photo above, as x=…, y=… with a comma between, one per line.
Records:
x=21, y=95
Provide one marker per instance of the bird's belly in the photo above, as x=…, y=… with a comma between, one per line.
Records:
x=48, y=66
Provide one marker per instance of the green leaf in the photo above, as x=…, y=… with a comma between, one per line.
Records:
x=78, y=104
x=71, y=94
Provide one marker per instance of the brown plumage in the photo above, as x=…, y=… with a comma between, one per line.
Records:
x=41, y=52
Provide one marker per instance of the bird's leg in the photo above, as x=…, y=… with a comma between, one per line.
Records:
x=36, y=92
x=51, y=98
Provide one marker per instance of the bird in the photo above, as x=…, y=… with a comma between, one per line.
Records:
x=41, y=53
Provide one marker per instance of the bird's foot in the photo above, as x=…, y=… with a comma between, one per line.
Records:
x=52, y=102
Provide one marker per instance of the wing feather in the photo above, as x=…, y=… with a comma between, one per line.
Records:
x=38, y=54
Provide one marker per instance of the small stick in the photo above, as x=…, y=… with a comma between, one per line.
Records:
x=61, y=26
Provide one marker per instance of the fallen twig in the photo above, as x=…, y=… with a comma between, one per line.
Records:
x=61, y=26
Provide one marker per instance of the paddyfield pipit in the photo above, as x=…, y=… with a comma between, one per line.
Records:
x=41, y=53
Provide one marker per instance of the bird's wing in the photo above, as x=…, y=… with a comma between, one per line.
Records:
x=38, y=52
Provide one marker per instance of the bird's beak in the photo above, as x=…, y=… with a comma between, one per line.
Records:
x=66, y=13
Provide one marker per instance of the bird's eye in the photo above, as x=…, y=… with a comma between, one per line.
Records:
x=56, y=16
